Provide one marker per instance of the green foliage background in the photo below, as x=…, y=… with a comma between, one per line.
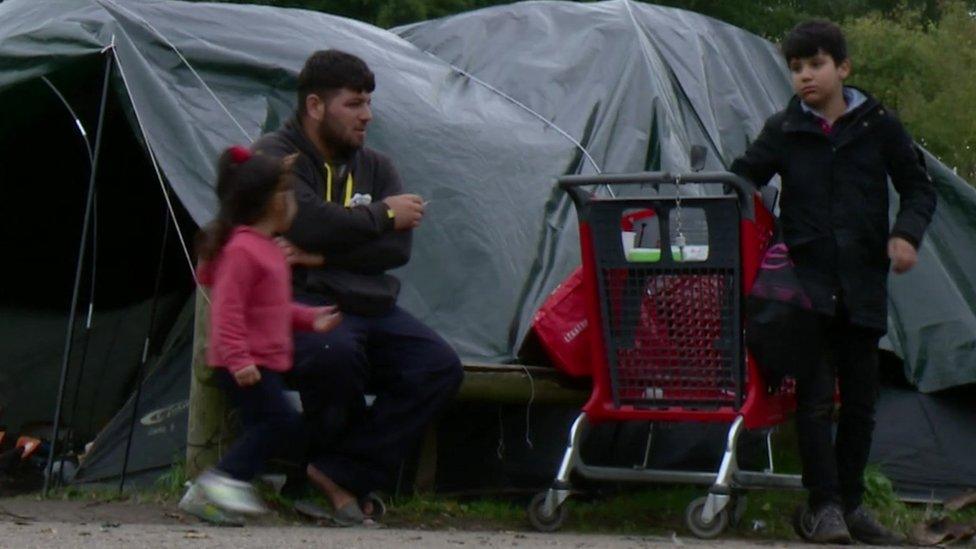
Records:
x=917, y=56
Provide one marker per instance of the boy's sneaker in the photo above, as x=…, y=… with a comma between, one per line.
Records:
x=865, y=528
x=230, y=494
x=196, y=504
x=826, y=525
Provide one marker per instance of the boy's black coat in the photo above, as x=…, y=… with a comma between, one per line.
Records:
x=834, y=201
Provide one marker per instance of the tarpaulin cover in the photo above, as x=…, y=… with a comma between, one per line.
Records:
x=638, y=84
x=481, y=112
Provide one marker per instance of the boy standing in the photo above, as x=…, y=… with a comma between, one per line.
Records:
x=834, y=148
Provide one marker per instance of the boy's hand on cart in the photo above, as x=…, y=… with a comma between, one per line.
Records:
x=297, y=256
x=902, y=254
x=326, y=318
x=247, y=376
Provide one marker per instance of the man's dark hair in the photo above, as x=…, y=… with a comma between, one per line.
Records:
x=809, y=37
x=328, y=71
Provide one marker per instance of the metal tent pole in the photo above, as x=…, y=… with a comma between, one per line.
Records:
x=94, y=256
x=77, y=285
x=88, y=324
x=140, y=372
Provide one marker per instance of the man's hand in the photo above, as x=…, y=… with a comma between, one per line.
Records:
x=903, y=255
x=247, y=376
x=408, y=210
x=326, y=318
x=297, y=256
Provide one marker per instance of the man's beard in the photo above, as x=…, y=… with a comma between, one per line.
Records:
x=333, y=138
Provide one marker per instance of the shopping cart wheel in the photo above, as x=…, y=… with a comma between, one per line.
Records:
x=697, y=525
x=543, y=522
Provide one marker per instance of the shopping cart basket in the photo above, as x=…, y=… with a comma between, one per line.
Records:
x=666, y=275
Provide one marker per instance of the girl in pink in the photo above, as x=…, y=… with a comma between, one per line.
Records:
x=251, y=318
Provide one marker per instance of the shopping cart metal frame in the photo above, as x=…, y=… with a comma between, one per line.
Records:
x=753, y=407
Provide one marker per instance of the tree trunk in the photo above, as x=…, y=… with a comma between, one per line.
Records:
x=207, y=431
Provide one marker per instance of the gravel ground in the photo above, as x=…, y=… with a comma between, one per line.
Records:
x=29, y=522
x=60, y=534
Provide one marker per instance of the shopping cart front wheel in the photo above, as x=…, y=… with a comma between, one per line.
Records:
x=544, y=521
x=696, y=523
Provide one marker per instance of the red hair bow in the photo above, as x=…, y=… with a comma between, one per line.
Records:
x=239, y=154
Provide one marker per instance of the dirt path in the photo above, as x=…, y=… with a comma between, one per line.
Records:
x=28, y=523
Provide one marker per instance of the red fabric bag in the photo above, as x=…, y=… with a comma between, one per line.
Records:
x=561, y=325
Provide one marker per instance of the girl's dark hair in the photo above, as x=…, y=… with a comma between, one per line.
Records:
x=245, y=184
x=809, y=37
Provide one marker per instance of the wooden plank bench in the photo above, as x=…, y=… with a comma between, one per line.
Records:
x=208, y=426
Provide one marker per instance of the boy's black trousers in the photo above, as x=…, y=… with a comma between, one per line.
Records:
x=845, y=355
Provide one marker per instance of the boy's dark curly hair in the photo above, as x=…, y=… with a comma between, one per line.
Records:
x=810, y=37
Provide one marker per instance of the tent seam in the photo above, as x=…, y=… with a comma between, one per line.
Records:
x=185, y=62
x=522, y=106
x=676, y=83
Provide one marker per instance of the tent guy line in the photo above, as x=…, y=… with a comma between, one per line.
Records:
x=159, y=175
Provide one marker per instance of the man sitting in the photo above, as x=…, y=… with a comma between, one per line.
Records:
x=354, y=223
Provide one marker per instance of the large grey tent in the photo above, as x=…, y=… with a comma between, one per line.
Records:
x=638, y=84
x=481, y=112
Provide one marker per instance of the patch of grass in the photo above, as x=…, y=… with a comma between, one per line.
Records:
x=651, y=511
x=660, y=510
x=101, y=493
x=656, y=510
x=429, y=511
x=170, y=485
x=880, y=497
x=167, y=488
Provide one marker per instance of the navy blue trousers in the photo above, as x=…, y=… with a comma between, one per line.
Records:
x=411, y=371
x=271, y=426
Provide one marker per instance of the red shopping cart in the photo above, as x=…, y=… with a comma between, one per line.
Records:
x=666, y=277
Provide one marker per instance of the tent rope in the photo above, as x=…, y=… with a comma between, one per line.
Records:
x=185, y=62
x=528, y=407
x=159, y=175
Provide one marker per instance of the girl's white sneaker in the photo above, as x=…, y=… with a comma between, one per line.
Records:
x=229, y=494
x=196, y=504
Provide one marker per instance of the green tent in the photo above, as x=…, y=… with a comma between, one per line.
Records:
x=480, y=112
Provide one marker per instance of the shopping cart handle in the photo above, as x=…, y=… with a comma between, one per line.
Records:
x=745, y=190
